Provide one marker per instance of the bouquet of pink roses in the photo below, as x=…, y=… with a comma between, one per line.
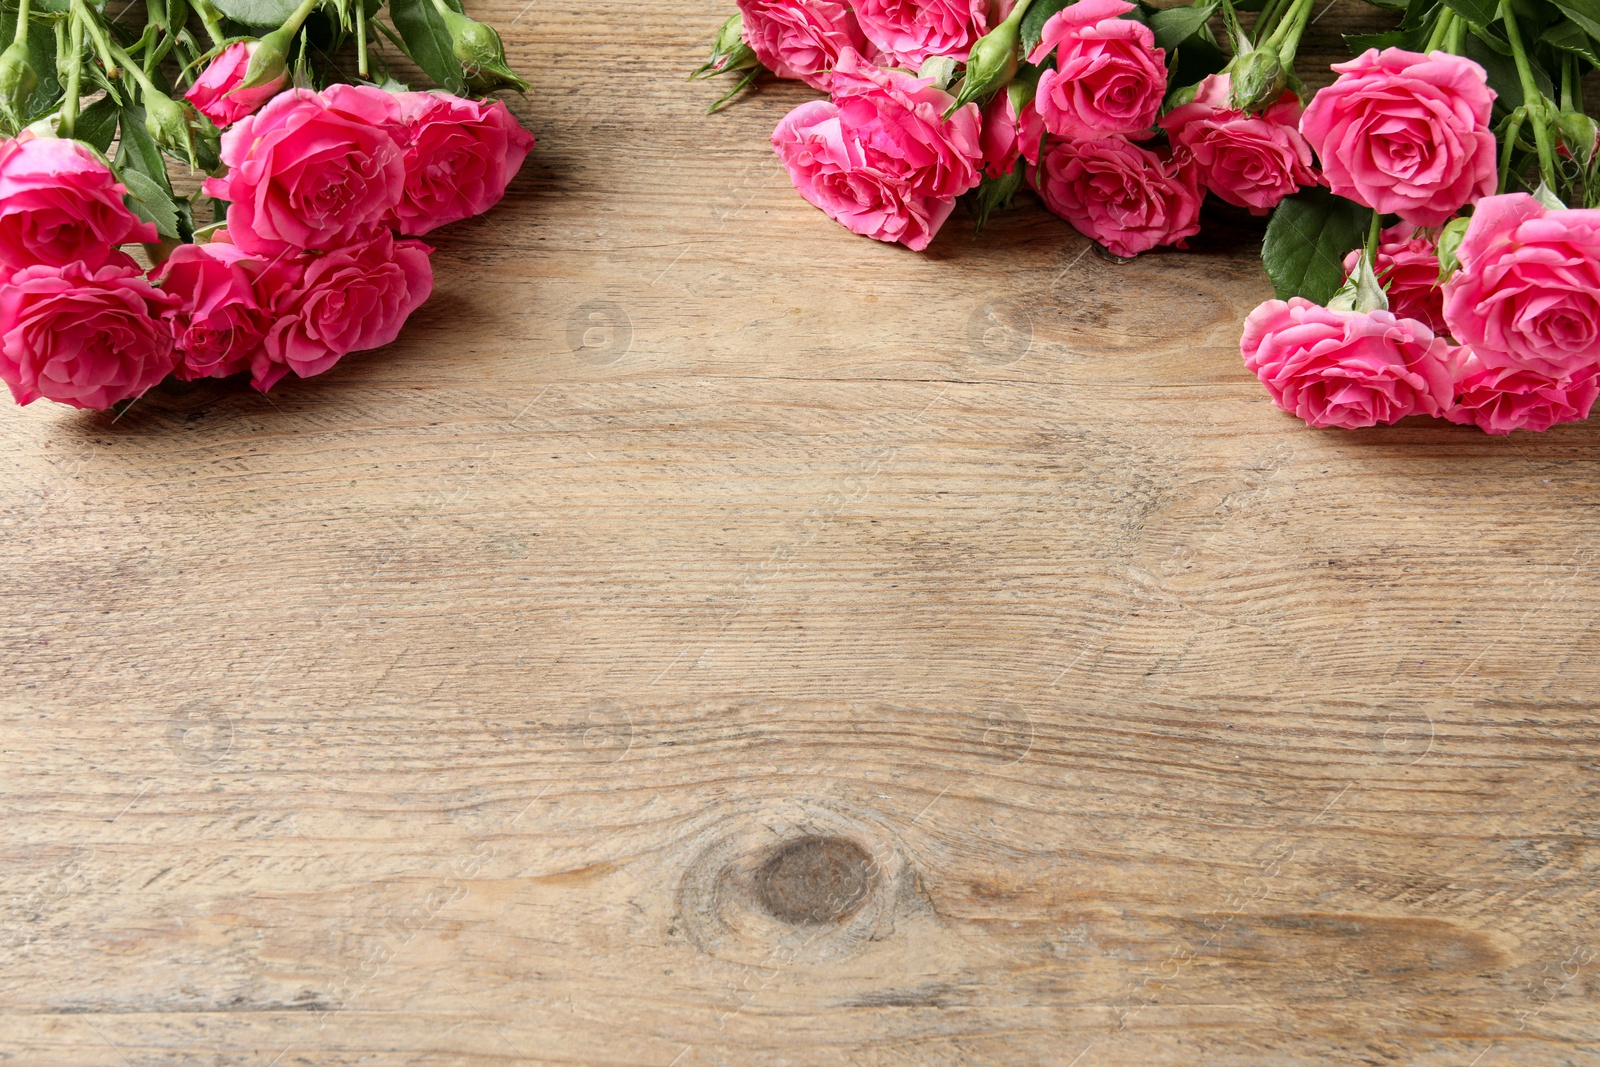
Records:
x=316, y=190
x=1421, y=241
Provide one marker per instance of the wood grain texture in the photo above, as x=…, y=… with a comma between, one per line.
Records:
x=710, y=638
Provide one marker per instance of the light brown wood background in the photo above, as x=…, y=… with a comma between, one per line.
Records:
x=711, y=638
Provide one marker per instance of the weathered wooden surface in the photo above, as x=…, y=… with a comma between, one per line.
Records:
x=709, y=638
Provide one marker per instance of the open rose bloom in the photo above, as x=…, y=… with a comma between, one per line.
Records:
x=311, y=170
x=459, y=156
x=1108, y=76
x=285, y=240
x=1407, y=262
x=308, y=269
x=1250, y=160
x=906, y=32
x=1406, y=134
x=1527, y=294
x=880, y=158
x=83, y=337
x=801, y=41
x=1498, y=401
x=60, y=204
x=1128, y=198
x=1348, y=369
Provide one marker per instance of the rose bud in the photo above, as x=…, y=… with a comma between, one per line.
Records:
x=1450, y=239
x=993, y=61
x=219, y=93
x=168, y=124
x=1258, y=79
x=729, y=52
x=1580, y=135
x=481, y=54
x=269, y=61
x=1361, y=290
x=18, y=80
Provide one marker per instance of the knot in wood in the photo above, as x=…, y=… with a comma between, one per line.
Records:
x=814, y=880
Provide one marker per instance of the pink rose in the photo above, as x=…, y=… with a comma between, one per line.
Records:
x=311, y=170
x=907, y=32
x=1407, y=264
x=459, y=157
x=1406, y=134
x=879, y=158
x=60, y=203
x=1001, y=137
x=1250, y=161
x=1346, y=368
x=347, y=300
x=1109, y=76
x=800, y=38
x=1031, y=134
x=219, y=323
x=1527, y=296
x=81, y=336
x=216, y=93
x=1126, y=197
x=1501, y=400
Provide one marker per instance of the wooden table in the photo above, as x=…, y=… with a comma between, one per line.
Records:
x=711, y=638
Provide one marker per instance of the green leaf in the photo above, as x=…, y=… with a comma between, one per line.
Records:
x=185, y=219
x=1410, y=40
x=97, y=124
x=41, y=56
x=995, y=194
x=1421, y=13
x=96, y=79
x=273, y=13
x=1502, y=73
x=138, y=151
x=151, y=202
x=1033, y=22
x=1586, y=13
x=1307, y=240
x=1478, y=12
x=1176, y=25
x=429, y=42
x=1196, y=58
x=1415, y=28
x=207, y=143
x=1567, y=36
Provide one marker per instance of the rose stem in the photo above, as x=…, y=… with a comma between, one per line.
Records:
x=1513, y=131
x=1532, y=99
x=69, y=110
x=1441, y=31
